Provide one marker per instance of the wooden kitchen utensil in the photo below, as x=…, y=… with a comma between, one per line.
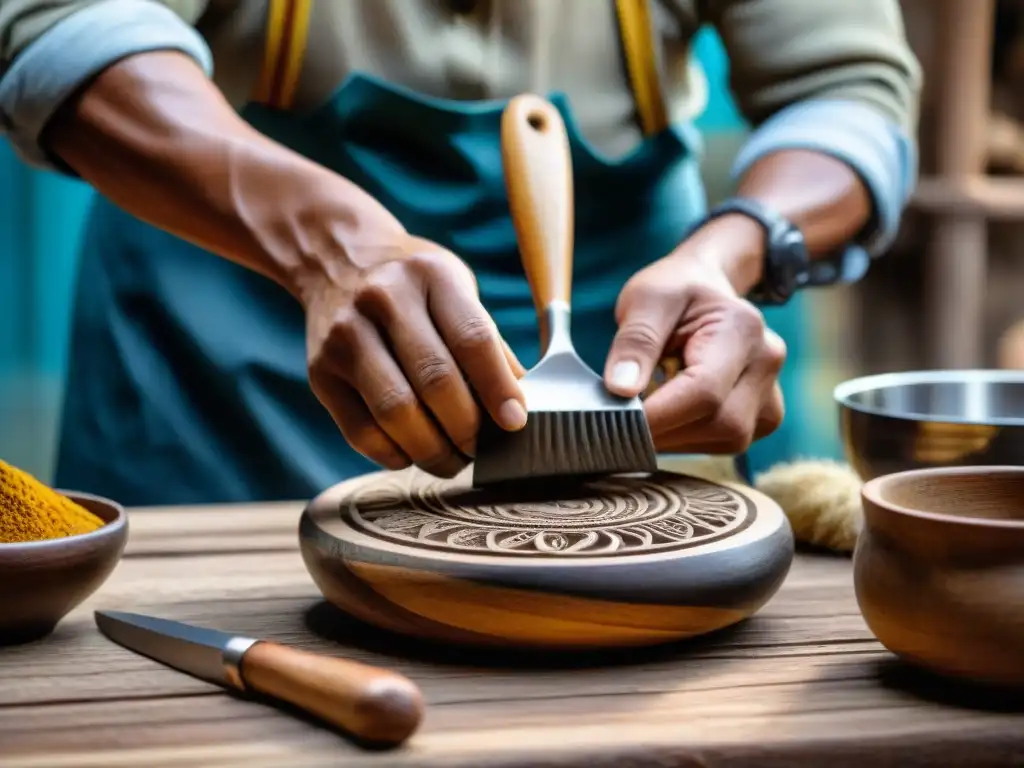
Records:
x=628, y=560
x=939, y=570
x=370, y=703
x=575, y=426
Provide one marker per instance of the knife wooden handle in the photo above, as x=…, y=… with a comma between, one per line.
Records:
x=370, y=703
x=538, y=178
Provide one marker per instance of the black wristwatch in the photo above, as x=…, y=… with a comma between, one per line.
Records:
x=787, y=263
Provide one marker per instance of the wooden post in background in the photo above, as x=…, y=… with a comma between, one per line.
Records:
x=957, y=264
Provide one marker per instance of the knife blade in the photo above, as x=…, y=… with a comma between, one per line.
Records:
x=373, y=704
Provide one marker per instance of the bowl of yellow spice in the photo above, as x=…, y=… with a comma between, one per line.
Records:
x=56, y=549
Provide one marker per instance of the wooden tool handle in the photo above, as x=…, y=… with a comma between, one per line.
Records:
x=538, y=176
x=372, y=704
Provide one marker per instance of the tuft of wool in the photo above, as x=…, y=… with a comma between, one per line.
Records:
x=821, y=498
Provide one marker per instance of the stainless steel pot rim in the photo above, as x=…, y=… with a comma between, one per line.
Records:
x=845, y=392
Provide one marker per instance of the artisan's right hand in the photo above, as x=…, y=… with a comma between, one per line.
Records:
x=402, y=354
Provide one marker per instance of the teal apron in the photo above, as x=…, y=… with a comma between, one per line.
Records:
x=187, y=381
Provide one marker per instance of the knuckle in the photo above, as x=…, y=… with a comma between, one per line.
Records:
x=344, y=328
x=432, y=372
x=641, y=290
x=774, y=361
x=735, y=429
x=393, y=403
x=775, y=351
x=342, y=342
x=318, y=370
x=749, y=318
x=427, y=261
x=641, y=336
x=707, y=399
x=380, y=292
x=473, y=334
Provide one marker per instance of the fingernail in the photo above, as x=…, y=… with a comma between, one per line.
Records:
x=512, y=415
x=626, y=374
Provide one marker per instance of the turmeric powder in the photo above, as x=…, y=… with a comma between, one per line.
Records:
x=30, y=511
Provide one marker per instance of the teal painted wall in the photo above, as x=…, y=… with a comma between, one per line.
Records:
x=41, y=216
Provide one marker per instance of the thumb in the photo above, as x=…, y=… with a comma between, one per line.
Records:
x=637, y=347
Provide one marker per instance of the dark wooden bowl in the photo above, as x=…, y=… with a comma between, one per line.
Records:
x=939, y=570
x=617, y=563
x=42, y=581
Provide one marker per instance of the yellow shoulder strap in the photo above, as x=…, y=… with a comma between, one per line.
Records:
x=283, y=52
x=638, y=46
x=288, y=27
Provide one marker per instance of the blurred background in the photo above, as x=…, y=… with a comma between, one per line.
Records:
x=948, y=294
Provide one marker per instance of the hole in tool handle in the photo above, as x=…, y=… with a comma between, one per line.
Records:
x=537, y=121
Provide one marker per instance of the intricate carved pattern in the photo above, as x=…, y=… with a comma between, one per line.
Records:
x=620, y=516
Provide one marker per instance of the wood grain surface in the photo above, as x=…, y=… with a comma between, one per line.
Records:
x=801, y=683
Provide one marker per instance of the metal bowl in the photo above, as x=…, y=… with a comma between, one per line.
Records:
x=894, y=422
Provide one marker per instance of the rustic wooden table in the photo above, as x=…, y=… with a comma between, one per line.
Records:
x=802, y=683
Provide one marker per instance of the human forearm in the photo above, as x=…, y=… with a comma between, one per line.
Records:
x=841, y=170
x=821, y=195
x=838, y=81
x=153, y=134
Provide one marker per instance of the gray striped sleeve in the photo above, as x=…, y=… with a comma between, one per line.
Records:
x=75, y=49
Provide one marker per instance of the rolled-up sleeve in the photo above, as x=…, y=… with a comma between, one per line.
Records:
x=49, y=50
x=838, y=77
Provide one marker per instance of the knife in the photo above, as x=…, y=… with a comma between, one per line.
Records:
x=373, y=704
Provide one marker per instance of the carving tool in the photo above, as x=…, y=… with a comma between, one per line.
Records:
x=372, y=704
x=575, y=426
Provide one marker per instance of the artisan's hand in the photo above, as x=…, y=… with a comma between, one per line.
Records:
x=401, y=351
x=726, y=394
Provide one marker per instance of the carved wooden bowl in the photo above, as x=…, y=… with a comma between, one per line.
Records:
x=42, y=581
x=939, y=570
x=627, y=561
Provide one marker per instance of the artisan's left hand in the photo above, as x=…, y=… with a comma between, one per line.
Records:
x=726, y=394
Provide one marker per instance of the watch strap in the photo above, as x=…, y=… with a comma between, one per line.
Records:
x=787, y=264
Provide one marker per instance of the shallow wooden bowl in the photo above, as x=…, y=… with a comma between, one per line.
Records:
x=939, y=570
x=41, y=581
x=624, y=562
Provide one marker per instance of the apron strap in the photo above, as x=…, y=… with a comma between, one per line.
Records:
x=283, y=52
x=288, y=28
x=641, y=64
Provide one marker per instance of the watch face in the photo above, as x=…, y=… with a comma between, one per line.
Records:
x=787, y=264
